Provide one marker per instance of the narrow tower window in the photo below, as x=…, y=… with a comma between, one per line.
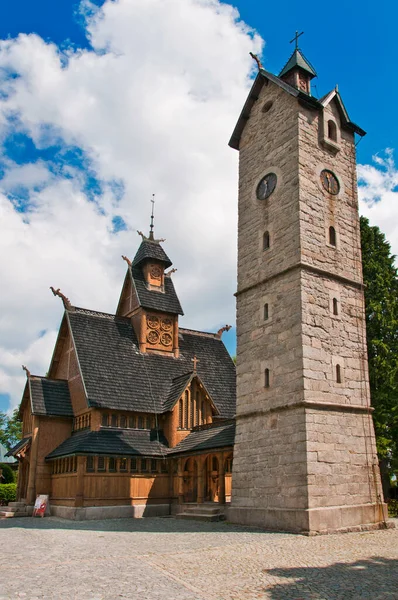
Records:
x=266, y=312
x=332, y=236
x=335, y=306
x=266, y=240
x=332, y=131
x=266, y=378
x=338, y=374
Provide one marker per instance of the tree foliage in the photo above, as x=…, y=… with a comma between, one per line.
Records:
x=381, y=297
x=7, y=474
x=10, y=429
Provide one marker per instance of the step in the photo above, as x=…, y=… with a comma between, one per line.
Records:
x=13, y=511
x=17, y=504
x=208, y=510
x=200, y=516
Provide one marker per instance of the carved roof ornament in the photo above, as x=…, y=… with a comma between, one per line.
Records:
x=128, y=261
x=28, y=373
x=195, y=361
x=258, y=61
x=65, y=300
x=169, y=273
x=221, y=331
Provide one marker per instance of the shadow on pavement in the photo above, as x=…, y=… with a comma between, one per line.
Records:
x=145, y=525
x=372, y=579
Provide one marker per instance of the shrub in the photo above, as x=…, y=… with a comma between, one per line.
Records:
x=393, y=508
x=8, y=493
x=8, y=473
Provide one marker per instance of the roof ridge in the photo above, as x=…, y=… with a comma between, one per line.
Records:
x=197, y=332
x=98, y=313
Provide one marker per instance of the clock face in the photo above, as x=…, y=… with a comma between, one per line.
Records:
x=266, y=186
x=330, y=182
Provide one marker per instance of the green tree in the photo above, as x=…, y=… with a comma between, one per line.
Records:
x=10, y=429
x=381, y=297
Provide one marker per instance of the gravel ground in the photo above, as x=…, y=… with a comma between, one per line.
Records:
x=168, y=559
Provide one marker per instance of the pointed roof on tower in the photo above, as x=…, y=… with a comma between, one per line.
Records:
x=298, y=60
x=150, y=248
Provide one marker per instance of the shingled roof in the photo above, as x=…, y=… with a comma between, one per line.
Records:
x=50, y=397
x=111, y=442
x=207, y=438
x=152, y=250
x=165, y=301
x=117, y=376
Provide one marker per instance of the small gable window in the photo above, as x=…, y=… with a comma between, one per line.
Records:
x=144, y=465
x=140, y=422
x=332, y=131
x=154, y=465
x=266, y=378
x=133, y=465
x=90, y=464
x=112, y=464
x=123, y=464
x=123, y=422
x=335, y=306
x=101, y=463
x=132, y=422
x=338, y=374
x=266, y=241
x=104, y=420
x=332, y=236
x=114, y=420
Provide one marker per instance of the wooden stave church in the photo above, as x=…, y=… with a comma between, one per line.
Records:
x=136, y=415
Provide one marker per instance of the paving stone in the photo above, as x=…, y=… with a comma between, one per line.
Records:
x=162, y=559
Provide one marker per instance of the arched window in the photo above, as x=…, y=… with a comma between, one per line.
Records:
x=197, y=413
x=266, y=240
x=332, y=236
x=192, y=411
x=186, y=413
x=266, y=312
x=338, y=374
x=332, y=131
x=335, y=306
x=181, y=413
x=266, y=378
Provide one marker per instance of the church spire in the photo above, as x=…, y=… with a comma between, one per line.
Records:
x=298, y=71
x=151, y=236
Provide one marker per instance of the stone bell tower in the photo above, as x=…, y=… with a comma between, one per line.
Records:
x=305, y=455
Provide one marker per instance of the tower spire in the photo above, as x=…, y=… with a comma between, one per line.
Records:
x=151, y=236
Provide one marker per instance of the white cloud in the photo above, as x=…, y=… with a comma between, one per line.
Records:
x=378, y=195
x=152, y=108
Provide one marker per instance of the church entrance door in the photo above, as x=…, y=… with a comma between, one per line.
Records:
x=190, y=479
x=211, y=479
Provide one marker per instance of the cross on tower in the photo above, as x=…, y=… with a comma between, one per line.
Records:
x=195, y=361
x=296, y=37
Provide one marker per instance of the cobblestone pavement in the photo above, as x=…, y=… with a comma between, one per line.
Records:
x=168, y=559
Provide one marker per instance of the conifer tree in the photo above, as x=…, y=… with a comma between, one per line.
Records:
x=381, y=297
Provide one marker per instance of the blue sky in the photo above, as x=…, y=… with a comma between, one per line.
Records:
x=336, y=37
x=88, y=131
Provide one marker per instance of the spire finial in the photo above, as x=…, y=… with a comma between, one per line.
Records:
x=151, y=236
x=296, y=37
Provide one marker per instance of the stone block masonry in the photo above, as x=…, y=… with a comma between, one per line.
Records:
x=305, y=455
